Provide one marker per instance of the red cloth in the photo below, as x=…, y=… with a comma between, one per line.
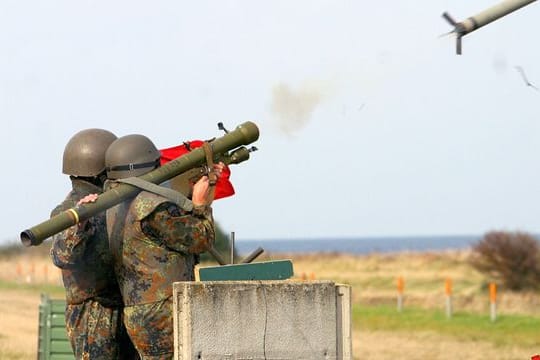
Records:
x=224, y=187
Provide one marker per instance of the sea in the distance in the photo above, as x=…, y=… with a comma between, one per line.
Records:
x=361, y=245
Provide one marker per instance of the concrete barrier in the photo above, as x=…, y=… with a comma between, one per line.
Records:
x=262, y=320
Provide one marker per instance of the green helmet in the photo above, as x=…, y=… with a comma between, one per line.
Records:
x=84, y=154
x=131, y=155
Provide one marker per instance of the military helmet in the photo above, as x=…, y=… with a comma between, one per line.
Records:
x=84, y=154
x=131, y=155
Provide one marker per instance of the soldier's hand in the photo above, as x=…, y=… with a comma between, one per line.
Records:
x=90, y=198
x=84, y=225
x=200, y=191
x=218, y=168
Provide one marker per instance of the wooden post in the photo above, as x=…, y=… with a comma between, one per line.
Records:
x=448, y=293
x=46, y=273
x=493, y=301
x=400, y=289
x=32, y=274
x=19, y=272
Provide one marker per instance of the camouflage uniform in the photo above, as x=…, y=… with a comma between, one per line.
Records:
x=94, y=303
x=154, y=244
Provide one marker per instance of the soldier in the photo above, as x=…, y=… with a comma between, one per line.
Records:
x=154, y=242
x=93, y=300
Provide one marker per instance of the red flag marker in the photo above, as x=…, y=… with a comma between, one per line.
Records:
x=224, y=187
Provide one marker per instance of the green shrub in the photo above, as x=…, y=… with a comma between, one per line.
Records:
x=510, y=258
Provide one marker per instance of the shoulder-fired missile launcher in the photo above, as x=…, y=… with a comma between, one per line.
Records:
x=228, y=148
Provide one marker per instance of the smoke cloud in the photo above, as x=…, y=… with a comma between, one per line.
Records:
x=292, y=108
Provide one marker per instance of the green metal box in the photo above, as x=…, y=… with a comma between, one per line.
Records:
x=53, y=343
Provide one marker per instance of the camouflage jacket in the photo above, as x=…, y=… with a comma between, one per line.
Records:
x=154, y=244
x=84, y=255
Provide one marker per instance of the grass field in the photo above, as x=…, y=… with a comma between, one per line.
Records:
x=507, y=330
x=420, y=331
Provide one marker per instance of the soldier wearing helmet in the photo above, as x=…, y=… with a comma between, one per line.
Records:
x=154, y=242
x=93, y=300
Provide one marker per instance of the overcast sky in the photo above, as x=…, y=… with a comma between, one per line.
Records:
x=370, y=124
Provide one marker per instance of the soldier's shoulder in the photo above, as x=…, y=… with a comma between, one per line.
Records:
x=145, y=203
x=69, y=202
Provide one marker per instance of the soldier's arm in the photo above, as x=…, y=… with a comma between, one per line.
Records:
x=68, y=247
x=187, y=232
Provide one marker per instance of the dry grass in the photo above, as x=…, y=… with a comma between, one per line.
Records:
x=29, y=266
x=18, y=324
x=373, y=278
x=425, y=345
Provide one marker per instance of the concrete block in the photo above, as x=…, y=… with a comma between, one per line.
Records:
x=262, y=320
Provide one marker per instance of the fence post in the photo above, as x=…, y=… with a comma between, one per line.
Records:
x=400, y=289
x=19, y=272
x=448, y=292
x=31, y=277
x=493, y=301
x=46, y=273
